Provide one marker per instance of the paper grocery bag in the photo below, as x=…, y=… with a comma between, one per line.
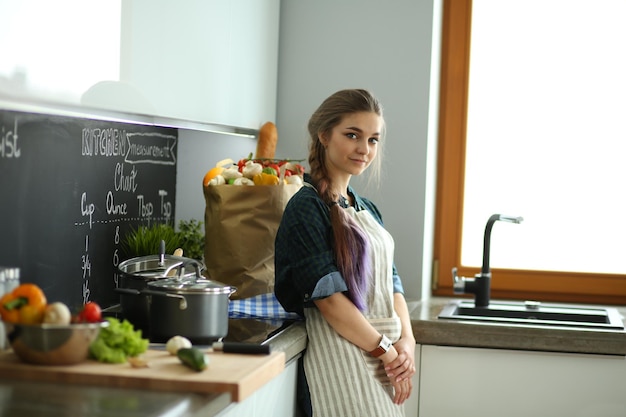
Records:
x=240, y=228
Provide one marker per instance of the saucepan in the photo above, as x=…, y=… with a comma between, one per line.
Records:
x=196, y=308
x=186, y=305
x=136, y=273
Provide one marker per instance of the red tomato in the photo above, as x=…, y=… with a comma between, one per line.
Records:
x=264, y=162
x=91, y=313
x=241, y=164
x=300, y=169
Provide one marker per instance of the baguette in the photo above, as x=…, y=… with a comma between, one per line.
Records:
x=268, y=138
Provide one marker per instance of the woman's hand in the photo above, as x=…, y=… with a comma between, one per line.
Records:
x=403, y=366
x=401, y=369
x=402, y=390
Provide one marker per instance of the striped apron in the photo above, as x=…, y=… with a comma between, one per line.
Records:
x=344, y=380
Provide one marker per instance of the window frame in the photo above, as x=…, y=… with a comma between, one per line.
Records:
x=577, y=287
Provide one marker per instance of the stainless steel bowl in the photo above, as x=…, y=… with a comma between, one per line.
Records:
x=53, y=344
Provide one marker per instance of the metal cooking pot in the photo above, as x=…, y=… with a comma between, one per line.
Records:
x=136, y=273
x=195, y=308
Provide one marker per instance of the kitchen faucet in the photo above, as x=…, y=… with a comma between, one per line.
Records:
x=480, y=285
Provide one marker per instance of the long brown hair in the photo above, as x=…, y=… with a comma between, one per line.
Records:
x=351, y=244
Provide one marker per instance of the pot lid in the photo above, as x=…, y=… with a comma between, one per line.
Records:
x=153, y=267
x=189, y=286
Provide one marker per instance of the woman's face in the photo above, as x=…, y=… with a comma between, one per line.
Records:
x=353, y=144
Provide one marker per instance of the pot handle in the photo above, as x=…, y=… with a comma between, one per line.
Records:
x=182, y=304
x=128, y=291
x=193, y=263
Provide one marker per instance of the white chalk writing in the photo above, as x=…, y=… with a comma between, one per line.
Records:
x=103, y=142
x=9, y=147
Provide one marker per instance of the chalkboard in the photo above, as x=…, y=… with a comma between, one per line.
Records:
x=71, y=188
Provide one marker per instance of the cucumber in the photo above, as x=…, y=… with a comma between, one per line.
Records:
x=193, y=358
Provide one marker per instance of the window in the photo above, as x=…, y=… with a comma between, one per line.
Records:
x=570, y=246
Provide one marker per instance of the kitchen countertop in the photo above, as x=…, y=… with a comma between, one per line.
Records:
x=54, y=399
x=429, y=330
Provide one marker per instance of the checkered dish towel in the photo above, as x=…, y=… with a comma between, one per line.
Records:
x=263, y=306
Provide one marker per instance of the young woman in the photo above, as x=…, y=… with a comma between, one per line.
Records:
x=334, y=266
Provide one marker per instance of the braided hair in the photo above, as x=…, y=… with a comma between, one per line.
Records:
x=351, y=244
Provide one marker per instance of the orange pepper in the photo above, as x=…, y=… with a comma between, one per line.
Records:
x=8, y=315
x=30, y=314
x=27, y=297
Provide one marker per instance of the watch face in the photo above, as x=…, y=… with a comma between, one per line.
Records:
x=385, y=343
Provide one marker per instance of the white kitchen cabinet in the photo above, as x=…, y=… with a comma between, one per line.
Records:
x=411, y=405
x=210, y=61
x=489, y=382
x=277, y=398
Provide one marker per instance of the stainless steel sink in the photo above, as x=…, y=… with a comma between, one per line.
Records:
x=535, y=313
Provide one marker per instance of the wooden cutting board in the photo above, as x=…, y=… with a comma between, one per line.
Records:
x=239, y=375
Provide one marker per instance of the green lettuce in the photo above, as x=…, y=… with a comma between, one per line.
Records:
x=116, y=342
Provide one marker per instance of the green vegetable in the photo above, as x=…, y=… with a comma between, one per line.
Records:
x=193, y=358
x=270, y=170
x=117, y=341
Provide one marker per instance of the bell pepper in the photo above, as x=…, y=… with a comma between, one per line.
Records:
x=276, y=168
x=265, y=179
x=25, y=305
x=270, y=170
x=9, y=315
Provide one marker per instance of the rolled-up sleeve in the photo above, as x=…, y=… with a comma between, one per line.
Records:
x=397, y=284
x=328, y=285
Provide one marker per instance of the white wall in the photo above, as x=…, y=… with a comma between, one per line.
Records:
x=386, y=47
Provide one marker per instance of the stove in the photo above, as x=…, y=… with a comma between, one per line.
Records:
x=244, y=330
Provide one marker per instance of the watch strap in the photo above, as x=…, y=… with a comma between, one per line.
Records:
x=383, y=347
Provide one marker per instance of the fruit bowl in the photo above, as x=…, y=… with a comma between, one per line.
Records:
x=53, y=344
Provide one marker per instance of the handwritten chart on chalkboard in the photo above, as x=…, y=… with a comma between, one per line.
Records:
x=71, y=188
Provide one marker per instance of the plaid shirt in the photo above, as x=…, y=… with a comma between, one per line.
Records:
x=304, y=260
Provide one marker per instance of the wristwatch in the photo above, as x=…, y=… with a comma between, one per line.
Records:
x=383, y=347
